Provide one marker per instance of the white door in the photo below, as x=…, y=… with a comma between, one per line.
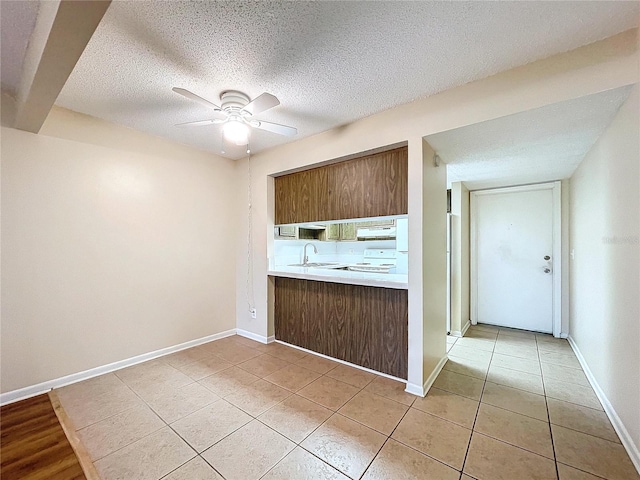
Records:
x=514, y=257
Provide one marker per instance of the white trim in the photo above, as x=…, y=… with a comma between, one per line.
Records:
x=255, y=336
x=436, y=371
x=33, y=390
x=631, y=448
x=473, y=264
x=343, y=362
x=460, y=333
x=557, y=258
x=414, y=389
x=465, y=328
x=421, y=391
x=449, y=275
x=556, y=192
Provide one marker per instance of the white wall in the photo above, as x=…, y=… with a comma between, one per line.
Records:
x=605, y=272
x=109, y=252
x=434, y=265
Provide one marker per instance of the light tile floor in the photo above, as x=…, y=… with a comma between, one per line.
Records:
x=508, y=405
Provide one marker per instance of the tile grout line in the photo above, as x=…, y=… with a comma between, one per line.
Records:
x=256, y=417
x=475, y=419
x=546, y=403
x=145, y=403
x=389, y=438
x=299, y=444
x=334, y=412
x=214, y=469
x=419, y=451
x=360, y=389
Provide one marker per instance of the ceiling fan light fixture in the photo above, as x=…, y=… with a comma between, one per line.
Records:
x=236, y=132
x=236, y=115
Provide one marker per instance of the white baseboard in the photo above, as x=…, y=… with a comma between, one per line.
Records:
x=255, y=336
x=465, y=328
x=415, y=389
x=436, y=371
x=460, y=333
x=343, y=362
x=628, y=443
x=422, y=390
x=33, y=390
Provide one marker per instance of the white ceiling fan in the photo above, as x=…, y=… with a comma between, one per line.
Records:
x=236, y=114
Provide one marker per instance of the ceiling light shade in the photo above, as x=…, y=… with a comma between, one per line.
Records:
x=236, y=132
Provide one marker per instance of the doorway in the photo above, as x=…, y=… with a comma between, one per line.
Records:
x=515, y=257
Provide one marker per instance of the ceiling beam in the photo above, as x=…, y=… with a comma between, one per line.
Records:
x=63, y=30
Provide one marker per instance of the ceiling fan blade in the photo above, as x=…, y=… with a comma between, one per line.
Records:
x=261, y=103
x=200, y=100
x=275, y=128
x=200, y=123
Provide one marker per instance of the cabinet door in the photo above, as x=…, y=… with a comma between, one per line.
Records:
x=372, y=186
x=301, y=197
x=299, y=306
x=332, y=232
x=348, y=231
x=366, y=326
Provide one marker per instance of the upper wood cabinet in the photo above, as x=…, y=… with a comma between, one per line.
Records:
x=301, y=197
x=371, y=186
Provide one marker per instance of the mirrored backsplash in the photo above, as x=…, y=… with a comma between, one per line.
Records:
x=383, y=228
x=346, y=249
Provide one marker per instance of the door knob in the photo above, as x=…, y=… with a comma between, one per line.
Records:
x=547, y=257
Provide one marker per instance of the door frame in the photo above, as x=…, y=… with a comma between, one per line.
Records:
x=555, y=188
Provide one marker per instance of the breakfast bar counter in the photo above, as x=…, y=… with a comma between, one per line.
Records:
x=335, y=274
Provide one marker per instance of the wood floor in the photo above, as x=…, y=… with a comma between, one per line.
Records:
x=33, y=445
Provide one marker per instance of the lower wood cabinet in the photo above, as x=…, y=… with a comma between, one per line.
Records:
x=366, y=326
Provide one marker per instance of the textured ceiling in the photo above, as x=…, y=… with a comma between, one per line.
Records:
x=329, y=63
x=17, y=20
x=535, y=146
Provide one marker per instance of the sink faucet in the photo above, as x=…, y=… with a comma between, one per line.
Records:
x=304, y=251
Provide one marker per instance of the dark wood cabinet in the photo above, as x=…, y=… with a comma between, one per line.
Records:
x=301, y=195
x=371, y=186
x=366, y=326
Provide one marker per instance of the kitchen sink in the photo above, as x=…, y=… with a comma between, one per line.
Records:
x=313, y=264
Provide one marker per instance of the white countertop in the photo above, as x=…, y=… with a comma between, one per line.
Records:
x=368, y=279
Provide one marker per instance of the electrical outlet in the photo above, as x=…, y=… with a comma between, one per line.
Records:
x=253, y=312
